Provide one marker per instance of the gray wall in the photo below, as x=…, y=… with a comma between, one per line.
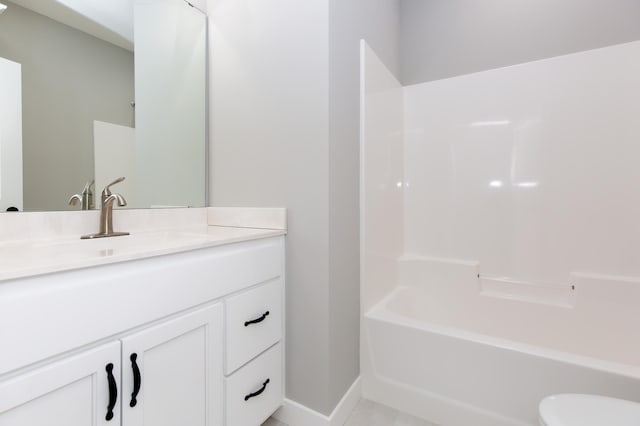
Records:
x=349, y=21
x=444, y=38
x=284, y=132
x=269, y=148
x=69, y=79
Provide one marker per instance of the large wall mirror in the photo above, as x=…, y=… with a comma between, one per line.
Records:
x=94, y=90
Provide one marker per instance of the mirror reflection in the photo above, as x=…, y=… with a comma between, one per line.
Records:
x=81, y=107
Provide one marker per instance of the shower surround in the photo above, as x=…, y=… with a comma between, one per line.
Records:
x=499, y=236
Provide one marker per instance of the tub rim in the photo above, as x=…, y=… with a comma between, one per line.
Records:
x=381, y=312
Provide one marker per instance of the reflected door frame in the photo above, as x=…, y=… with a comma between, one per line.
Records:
x=10, y=135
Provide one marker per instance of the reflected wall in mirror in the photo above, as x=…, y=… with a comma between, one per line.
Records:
x=77, y=104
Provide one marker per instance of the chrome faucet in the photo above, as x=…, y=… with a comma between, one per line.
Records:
x=106, y=212
x=85, y=198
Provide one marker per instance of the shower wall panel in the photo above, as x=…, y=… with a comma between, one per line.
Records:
x=532, y=170
x=381, y=183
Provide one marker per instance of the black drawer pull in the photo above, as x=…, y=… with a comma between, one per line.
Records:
x=257, y=320
x=136, y=379
x=113, y=391
x=258, y=392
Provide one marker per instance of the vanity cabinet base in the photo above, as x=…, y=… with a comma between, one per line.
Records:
x=143, y=343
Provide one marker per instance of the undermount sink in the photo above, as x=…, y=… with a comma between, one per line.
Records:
x=127, y=243
x=61, y=253
x=41, y=256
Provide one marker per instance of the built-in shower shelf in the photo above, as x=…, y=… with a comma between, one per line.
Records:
x=555, y=294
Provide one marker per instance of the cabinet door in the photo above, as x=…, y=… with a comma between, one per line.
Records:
x=172, y=373
x=77, y=391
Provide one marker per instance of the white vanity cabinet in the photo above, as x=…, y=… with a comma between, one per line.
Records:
x=253, y=331
x=70, y=392
x=170, y=372
x=152, y=342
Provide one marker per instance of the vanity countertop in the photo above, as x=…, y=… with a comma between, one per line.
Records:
x=20, y=259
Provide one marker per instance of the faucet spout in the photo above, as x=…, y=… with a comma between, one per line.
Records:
x=106, y=213
x=113, y=198
x=75, y=199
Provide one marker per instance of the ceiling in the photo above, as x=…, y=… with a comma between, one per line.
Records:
x=110, y=20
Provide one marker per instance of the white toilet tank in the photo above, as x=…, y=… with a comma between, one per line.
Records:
x=588, y=410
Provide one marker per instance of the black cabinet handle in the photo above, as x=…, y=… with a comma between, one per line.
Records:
x=258, y=392
x=113, y=391
x=257, y=320
x=136, y=379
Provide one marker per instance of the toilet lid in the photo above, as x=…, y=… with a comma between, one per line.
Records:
x=588, y=410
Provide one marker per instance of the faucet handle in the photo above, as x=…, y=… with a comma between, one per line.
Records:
x=106, y=191
x=88, y=185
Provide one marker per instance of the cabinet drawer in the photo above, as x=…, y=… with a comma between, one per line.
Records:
x=253, y=323
x=254, y=392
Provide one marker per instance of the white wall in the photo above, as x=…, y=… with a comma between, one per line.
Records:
x=10, y=135
x=114, y=156
x=170, y=89
x=444, y=38
x=530, y=170
x=284, y=132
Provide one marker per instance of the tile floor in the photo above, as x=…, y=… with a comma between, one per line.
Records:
x=368, y=413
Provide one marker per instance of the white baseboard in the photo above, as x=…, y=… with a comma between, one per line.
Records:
x=346, y=405
x=294, y=414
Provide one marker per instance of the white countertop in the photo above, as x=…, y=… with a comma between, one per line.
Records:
x=20, y=259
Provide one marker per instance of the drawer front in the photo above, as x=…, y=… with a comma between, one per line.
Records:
x=253, y=323
x=254, y=392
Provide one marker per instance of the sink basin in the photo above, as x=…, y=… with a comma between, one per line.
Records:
x=34, y=257
x=161, y=237
x=60, y=254
x=121, y=245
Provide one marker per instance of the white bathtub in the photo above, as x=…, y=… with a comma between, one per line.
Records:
x=470, y=351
